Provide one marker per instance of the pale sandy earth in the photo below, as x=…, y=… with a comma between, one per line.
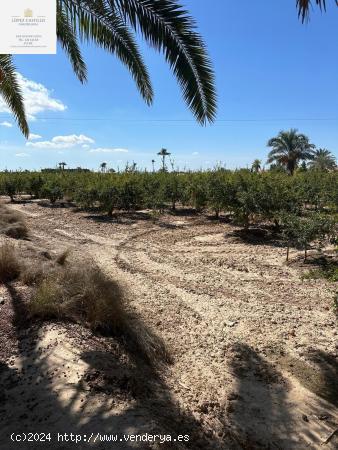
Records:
x=254, y=347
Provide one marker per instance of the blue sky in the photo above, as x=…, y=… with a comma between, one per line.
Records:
x=272, y=73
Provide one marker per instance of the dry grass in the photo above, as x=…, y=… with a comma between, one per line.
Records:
x=81, y=294
x=12, y=223
x=10, y=265
x=69, y=289
x=33, y=274
x=62, y=258
x=37, y=262
x=84, y=294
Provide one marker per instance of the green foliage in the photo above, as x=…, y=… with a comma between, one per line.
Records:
x=52, y=191
x=300, y=231
x=164, y=25
x=328, y=271
x=289, y=148
x=11, y=92
x=34, y=186
x=249, y=197
x=10, y=189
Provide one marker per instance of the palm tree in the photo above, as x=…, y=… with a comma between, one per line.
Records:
x=153, y=164
x=103, y=167
x=109, y=24
x=163, y=153
x=288, y=148
x=323, y=160
x=62, y=165
x=256, y=165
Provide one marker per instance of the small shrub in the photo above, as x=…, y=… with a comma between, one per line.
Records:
x=80, y=294
x=10, y=266
x=12, y=223
x=328, y=271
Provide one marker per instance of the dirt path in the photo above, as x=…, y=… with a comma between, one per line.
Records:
x=254, y=347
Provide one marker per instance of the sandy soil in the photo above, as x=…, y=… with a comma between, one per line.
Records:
x=254, y=347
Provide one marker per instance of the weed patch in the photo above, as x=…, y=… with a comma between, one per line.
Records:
x=80, y=294
x=328, y=271
x=10, y=266
x=12, y=223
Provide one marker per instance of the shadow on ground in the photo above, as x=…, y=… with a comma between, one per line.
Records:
x=319, y=375
x=257, y=408
x=268, y=411
x=258, y=236
x=120, y=391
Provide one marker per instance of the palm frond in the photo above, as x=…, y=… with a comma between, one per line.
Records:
x=96, y=22
x=68, y=41
x=304, y=6
x=11, y=92
x=170, y=30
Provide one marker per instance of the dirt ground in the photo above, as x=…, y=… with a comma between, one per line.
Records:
x=254, y=347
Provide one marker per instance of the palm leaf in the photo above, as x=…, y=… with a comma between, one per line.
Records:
x=304, y=7
x=11, y=92
x=69, y=43
x=169, y=29
x=95, y=22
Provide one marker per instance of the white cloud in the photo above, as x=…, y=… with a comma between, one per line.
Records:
x=85, y=146
x=108, y=150
x=21, y=155
x=37, y=98
x=33, y=137
x=69, y=141
x=6, y=124
x=195, y=153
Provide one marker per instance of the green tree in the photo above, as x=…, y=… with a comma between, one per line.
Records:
x=289, y=148
x=10, y=188
x=109, y=24
x=323, y=160
x=301, y=231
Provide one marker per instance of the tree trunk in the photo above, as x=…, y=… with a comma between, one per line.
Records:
x=287, y=253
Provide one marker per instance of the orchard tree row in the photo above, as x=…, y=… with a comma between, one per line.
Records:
x=247, y=196
x=302, y=207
